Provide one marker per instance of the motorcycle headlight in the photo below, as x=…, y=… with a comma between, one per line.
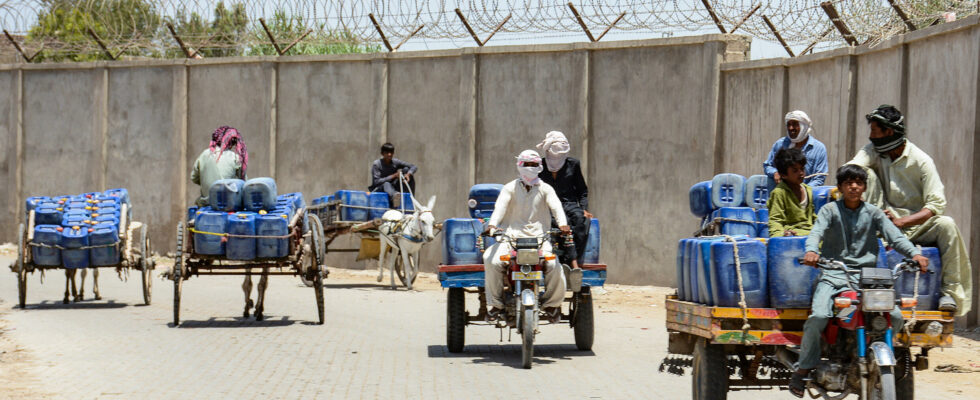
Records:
x=878, y=299
x=527, y=256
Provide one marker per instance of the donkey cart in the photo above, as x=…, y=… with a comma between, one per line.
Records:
x=303, y=258
x=130, y=252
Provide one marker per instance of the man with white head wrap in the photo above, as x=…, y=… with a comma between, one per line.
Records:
x=524, y=208
x=564, y=174
x=799, y=134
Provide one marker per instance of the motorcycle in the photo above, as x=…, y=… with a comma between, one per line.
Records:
x=523, y=283
x=859, y=355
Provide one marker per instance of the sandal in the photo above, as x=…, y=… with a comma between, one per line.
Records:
x=796, y=385
x=494, y=314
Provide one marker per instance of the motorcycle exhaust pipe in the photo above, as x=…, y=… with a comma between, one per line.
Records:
x=787, y=358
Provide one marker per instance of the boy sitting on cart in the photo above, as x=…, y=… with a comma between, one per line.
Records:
x=791, y=211
x=846, y=230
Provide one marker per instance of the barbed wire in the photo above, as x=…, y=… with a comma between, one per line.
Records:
x=138, y=24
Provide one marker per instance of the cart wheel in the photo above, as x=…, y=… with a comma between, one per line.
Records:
x=21, y=269
x=584, y=320
x=904, y=374
x=710, y=373
x=527, y=337
x=456, y=320
x=318, y=252
x=178, y=271
x=146, y=265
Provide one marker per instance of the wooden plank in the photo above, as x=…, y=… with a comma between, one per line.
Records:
x=761, y=313
x=756, y=337
x=461, y=268
x=942, y=316
x=689, y=329
x=697, y=321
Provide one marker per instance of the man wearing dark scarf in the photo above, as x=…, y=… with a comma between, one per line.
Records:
x=225, y=158
x=904, y=183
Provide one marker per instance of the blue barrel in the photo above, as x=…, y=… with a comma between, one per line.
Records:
x=791, y=284
x=682, y=247
x=104, y=234
x=762, y=217
x=47, y=215
x=295, y=198
x=72, y=240
x=33, y=202
x=272, y=224
x=482, y=198
x=241, y=248
x=459, y=241
x=406, y=203
x=121, y=194
x=693, y=293
x=591, y=255
x=378, y=201
x=355, y=199
x=701, y=272
x=226, y=194
x=110, y=218
x=724, y=281
x=191, y=211
x=747, y=215
x=49, y=235
x=259, y=194
x=757, y=191
x=699, y=198
x=210, y=221
x=930, y=285
x=69, y=221
x=109, y=203
x=727, y=190
x=821, y=196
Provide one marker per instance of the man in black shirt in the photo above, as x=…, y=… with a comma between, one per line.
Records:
x=384, y=175
x=564, y=174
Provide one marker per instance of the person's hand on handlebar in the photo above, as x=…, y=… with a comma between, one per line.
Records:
x=488, y=230
x=565, y=229
x=811, y=258
x=923, y=263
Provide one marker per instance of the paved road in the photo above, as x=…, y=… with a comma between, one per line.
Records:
x=377, y=343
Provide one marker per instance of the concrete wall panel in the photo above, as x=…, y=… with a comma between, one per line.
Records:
x=521, y=98
x=821, y=90
x=426, y=126
x=753, y=118
x=942, y=111
x=62, y=132
x=143, y=146
x=235, y=95
x=640, y=141
x=9, y=105
x=879, y=81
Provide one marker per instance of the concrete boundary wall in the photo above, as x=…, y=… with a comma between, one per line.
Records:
x=932, y=75
x=315, y=123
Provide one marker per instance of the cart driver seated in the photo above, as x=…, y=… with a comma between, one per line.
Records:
x=524, y=209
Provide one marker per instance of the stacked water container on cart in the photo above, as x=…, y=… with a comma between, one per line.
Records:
x=357, y=206
x=87, y=230
x=771, y=275
x=248, y=228
x=246, y=220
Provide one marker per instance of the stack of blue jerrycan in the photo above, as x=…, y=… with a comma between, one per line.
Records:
x=771, y=274
x=461, y=235
x=245, y=220
x=78, y=231
x=359, y=206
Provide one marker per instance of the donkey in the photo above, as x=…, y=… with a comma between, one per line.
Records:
x=405, y=235
x=79, y=295
x=260, y=298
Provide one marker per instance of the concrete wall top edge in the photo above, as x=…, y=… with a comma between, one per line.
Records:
x=821, y=56
x=560, y=47
x=941, y=29
x=754, y=64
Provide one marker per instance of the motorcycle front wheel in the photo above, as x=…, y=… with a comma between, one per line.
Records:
x=881, y=384
x=527, y=333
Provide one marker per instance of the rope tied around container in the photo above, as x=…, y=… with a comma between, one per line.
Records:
x=709, y=227
x=232, y=235
x=741, y=289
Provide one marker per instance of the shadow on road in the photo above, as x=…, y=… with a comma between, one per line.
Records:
x=235, y=323
x=85, y=304
x=381, y=286
x=510, y=354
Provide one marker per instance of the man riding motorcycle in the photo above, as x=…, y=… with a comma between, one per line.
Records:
x=524, y=209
